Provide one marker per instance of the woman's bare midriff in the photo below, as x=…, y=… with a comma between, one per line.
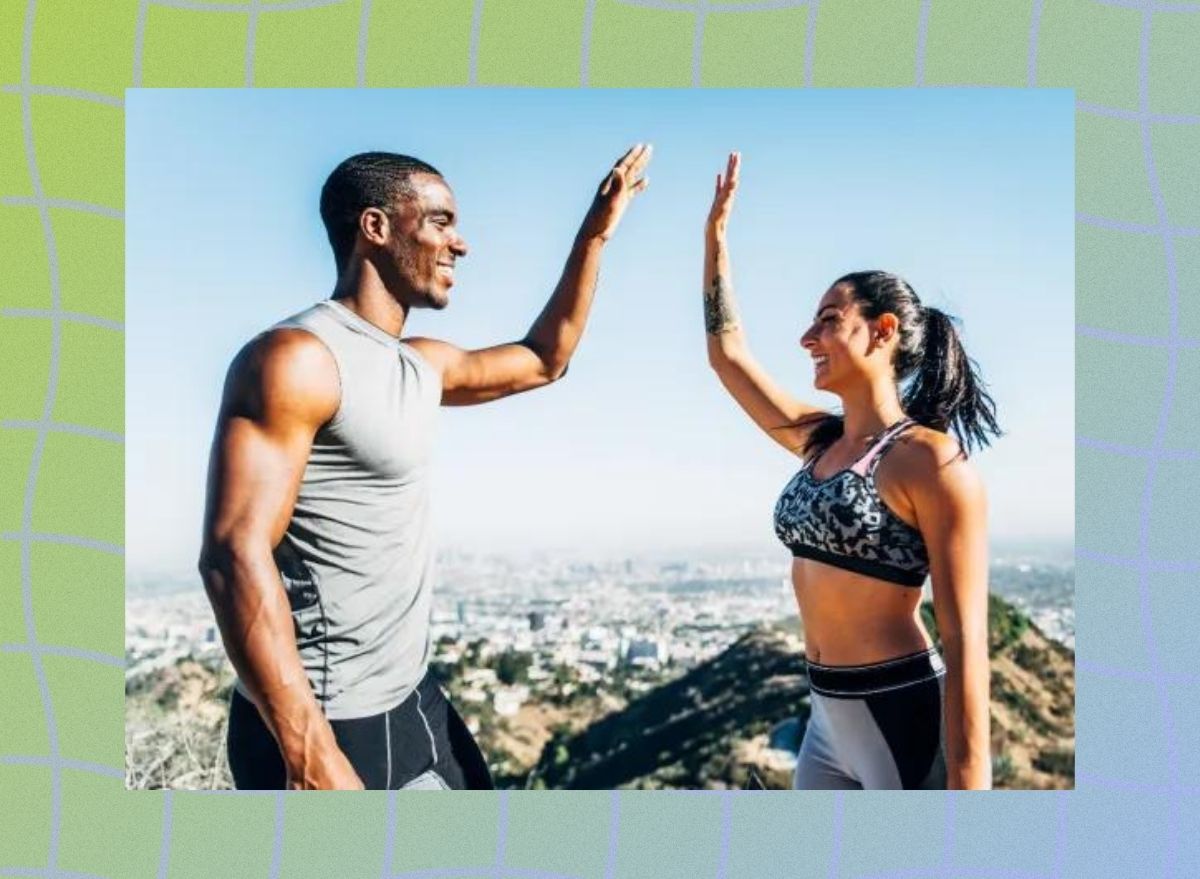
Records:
x=852, y=619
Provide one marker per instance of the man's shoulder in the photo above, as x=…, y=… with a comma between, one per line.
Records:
x=436, y=352
x=285, y=347
x=313, y=315
x=287, y=342
x=287, y=366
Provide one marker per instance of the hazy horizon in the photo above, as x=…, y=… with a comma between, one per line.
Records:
x=1048, y=550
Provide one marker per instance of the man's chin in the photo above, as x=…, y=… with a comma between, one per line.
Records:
x=434, y=299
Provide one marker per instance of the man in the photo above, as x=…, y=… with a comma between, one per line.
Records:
x=317, y=556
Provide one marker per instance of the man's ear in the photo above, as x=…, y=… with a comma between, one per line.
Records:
x=375, y=226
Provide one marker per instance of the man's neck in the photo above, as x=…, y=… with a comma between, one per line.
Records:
x=361, y=290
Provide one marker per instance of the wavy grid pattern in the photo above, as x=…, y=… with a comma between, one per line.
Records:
x=62, y=810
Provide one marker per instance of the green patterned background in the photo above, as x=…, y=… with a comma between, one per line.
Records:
x=64, y=68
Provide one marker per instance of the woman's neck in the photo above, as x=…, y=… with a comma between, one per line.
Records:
x=872, y=409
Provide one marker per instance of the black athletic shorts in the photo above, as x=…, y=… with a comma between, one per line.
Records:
x=422, y=743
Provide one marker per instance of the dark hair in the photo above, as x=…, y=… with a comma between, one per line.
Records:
x=943, y=388
x=367, y=180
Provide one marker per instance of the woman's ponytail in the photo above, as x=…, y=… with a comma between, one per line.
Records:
x=945, y=391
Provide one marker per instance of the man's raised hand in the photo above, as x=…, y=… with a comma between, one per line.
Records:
x=616, y=190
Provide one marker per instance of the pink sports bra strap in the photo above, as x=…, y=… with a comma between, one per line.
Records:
x=866, y=465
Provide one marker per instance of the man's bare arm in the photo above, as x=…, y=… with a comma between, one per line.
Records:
x=280, y=389
x=542, y=356
x=470, y=377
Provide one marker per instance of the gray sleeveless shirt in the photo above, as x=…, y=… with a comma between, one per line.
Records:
x=357, y=557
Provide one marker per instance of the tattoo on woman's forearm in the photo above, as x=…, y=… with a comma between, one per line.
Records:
x=719, y=313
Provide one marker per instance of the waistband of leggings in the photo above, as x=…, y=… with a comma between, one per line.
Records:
x=849, y=681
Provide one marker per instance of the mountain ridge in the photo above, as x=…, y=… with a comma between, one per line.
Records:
x=712, y=726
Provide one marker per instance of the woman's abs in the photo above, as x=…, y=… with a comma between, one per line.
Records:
x=851, y=619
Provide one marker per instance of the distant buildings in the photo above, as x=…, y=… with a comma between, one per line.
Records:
x=508, y=700
x=595, y=619
x=647, y=653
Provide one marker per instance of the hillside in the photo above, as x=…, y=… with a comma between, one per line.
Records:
x=175, y=726
x=710, y=727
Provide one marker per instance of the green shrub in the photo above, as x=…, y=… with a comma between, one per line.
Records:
x=1056, y=762
x=1003, y=770
x=1006, y=624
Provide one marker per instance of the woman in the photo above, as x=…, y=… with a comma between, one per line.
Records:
x=885, y=497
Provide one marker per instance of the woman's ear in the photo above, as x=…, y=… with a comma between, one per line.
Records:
x=886, y=327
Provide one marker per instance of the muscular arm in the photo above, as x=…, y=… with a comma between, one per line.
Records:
x=780, y=415
x=280, y=389
x=951, y=510
x=542, y=355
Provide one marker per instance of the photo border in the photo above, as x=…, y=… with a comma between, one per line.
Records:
x=63, y=807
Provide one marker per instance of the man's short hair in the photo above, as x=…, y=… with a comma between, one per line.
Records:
x=366, y=180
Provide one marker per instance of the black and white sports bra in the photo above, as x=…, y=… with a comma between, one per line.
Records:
x=842, y=521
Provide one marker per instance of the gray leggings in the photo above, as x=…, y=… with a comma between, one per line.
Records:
x=875, y=726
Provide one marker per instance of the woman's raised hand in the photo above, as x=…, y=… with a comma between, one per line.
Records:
x=718, y=214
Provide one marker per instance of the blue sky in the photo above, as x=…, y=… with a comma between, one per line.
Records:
x=969, y=194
